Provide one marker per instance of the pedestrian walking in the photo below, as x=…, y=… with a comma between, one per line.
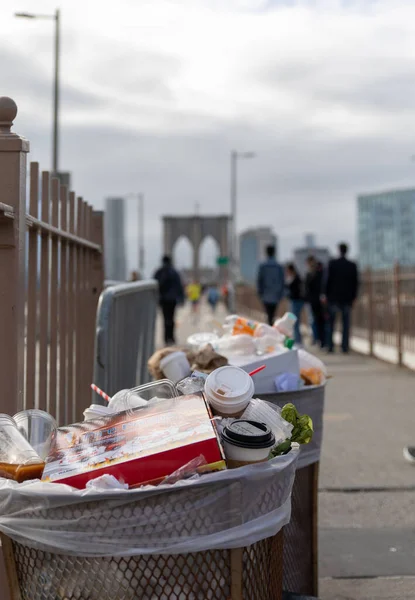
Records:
x=170, y=295
x=193, y=293
x=313, y=293
x=213, y=297
x=270, y=284
x=295, y=288
x=340, y=292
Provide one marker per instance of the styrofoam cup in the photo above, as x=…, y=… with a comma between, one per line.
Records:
x=246, y=442
x=229, y=390
x=175, y=366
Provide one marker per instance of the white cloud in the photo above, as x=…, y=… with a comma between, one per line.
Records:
x=156, y=93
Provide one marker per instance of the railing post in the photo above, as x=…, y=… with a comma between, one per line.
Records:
x=97, y=236
x=371, y=309
x=13, y=157
x=398, y=321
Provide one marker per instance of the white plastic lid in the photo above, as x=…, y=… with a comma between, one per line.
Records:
x=229, y=383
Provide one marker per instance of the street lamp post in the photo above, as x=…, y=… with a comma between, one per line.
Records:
x=235, y=156
x=55, y=147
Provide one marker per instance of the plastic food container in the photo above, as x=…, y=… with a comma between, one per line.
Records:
x=246, y=442
x=119, y=402
x=18, y=460
x=95, y=411
x=175, y=366
x=198, y=340
x=38, y=427
x=140, y=396
x=228, y=391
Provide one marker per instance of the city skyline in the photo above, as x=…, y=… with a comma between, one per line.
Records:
x=149, y=104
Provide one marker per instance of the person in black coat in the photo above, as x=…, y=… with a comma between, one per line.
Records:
x=171, y=294
x=340, y=291
x=313, y=292
x=295, y=289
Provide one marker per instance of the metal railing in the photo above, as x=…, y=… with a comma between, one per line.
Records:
x=384, y=313
x=51, y=268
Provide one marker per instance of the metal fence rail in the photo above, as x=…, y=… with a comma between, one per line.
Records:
x=384, y=312
x=51, y=269
x=51, y=273
x=125, y=334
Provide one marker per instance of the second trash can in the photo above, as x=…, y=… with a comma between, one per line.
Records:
x=301, y=534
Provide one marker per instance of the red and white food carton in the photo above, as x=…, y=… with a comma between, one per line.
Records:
x=137, y=447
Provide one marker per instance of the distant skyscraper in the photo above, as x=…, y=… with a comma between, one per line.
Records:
x=386, y=223
x=310, y=249
x=252, y=244
x=310, y=240
x=114, y=242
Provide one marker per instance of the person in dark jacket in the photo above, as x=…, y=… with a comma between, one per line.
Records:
x=340, y=291
x=270, y=284
x=313, y=292
x=295, y=290
x=171, y=294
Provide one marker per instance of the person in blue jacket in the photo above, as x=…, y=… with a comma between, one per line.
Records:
x=270, y=284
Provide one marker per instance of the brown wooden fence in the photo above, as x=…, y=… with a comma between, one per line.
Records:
x=383, y=314
x=51, y=268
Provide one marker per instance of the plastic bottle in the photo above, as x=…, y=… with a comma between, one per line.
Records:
x=285, y=324
x=237, y=325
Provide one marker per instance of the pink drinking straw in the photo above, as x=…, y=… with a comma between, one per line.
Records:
x=100, y=392
x=255, y=371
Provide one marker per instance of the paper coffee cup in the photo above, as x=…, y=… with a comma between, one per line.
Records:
x=175, y=366
x=228, y=391
x=246, y=442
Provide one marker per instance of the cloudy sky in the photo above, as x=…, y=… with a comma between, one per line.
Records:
x=156, y=93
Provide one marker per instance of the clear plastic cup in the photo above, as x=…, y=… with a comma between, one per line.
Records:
x=18, y=460
x=38, y=427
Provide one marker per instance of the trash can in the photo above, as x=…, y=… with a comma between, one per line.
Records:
x=217, y=537
x=301, y=534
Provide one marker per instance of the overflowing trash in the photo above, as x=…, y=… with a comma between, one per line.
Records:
x=187, y=463
x=154, y=432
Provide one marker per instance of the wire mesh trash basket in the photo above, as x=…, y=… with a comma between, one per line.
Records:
x=301, y=534
x=218, y=537
x=250, y=573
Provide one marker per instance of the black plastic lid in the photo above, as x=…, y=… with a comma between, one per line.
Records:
x=248, y=434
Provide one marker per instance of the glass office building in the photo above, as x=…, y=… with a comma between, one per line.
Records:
x=386, y=229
